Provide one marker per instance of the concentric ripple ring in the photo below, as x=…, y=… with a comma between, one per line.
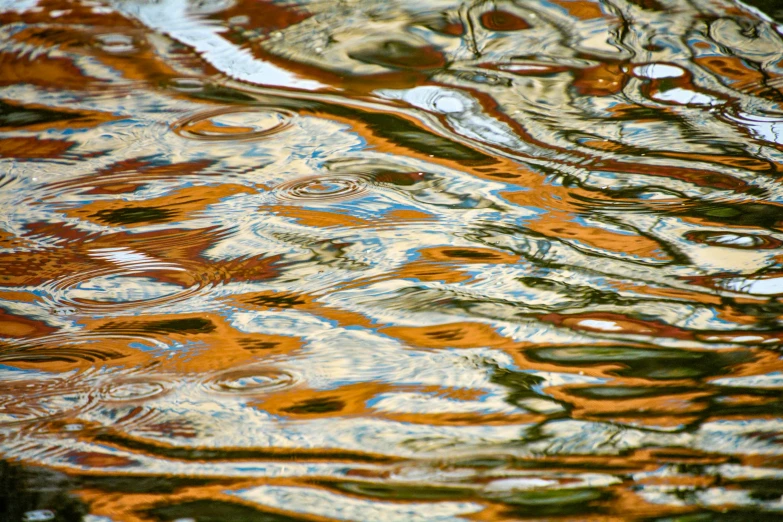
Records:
x=250, y=381
x=132, y=390
x=322, y=188
x=233, y=124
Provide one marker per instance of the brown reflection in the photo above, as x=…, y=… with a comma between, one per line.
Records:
x=32, y=148
x=272, y=300
x=220, y=345
x=454, y=335
x=170, y=208
x=52, y=72
x=16, y=326
x=467, y=255
x=349, y=400
x=601, y=80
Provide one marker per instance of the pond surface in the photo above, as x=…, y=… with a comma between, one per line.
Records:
x=391, y=261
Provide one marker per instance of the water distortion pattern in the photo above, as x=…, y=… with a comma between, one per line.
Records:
x=391, y=261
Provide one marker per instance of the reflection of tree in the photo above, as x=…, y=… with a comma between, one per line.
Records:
x=525, y=232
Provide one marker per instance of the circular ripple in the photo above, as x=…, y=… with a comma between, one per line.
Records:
x=250, y=381
x=25, y=402
x=114, y=289
x=233, y=124
x=134, y=390
x=734, y=240
x=125, y=279
x=319, y=188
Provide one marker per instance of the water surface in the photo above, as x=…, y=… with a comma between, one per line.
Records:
x=394, y=261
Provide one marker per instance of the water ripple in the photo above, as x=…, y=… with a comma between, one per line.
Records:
x=134, y=390
x=24, y=402
x=391, y=260
x=322, y=188
x=233, y=124
x=250, y=381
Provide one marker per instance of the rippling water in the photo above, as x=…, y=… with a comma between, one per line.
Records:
x=308, y=260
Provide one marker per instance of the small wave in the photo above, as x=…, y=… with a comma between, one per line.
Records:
x=233, y=124
x=134, y=390
x=32, y=400
x=107, y=290
x=322, y=188
x=249, y=381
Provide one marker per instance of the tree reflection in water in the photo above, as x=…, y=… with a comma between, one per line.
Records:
x=277, y=260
